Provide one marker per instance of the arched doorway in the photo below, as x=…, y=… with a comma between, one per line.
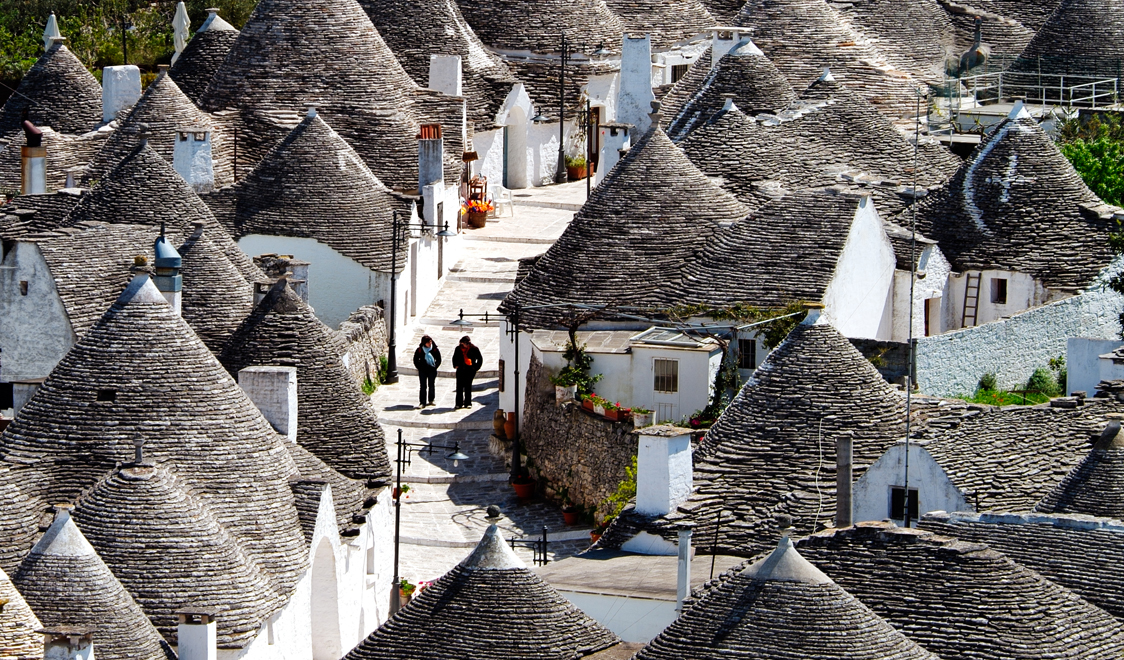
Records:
x=516, y=149
x=325, y=605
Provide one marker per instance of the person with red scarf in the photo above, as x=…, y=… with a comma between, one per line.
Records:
x=466, y=360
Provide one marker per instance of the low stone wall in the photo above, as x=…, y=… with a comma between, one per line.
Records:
x=364, y=332
x=951, y=364
x=571, y=448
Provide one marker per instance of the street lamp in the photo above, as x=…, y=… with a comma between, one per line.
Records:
x=398, y=229
x=405, y=449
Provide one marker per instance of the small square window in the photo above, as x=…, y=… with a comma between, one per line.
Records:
x=747, y=354
x=107, y=395
x=999, y=290
x=897, y=503
x=666, y=375
x=678, y=71
x=23, y=287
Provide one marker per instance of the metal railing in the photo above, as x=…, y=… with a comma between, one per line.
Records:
x=1042, y=88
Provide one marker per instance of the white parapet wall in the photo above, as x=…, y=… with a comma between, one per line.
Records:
x=120, y=89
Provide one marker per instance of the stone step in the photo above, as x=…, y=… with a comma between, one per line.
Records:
x=531, y=240
x=565, y=206
x=480, y=279
x=447, y=426
x=441, y=373
x=450, y=478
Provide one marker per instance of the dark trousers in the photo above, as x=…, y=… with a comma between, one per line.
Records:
x=427, y=378
x=464, y=386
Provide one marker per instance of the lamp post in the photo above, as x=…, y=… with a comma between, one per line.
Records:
x=404, y=451
x=398, y=228
x=560, y=175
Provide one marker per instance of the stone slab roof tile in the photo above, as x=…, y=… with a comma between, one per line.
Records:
x=1095, y=487
x=169, y=551
x=352, y=498
x=335, y=420
x=767, y=613
x=28, y=214
x=1017, y=204
x=293, y=54
x=489, y=606
x=202, y=57
x=67, y=584
x=58, y=92
x=914, y=36
x=962, y=600
x=537, y=27
x=64, y=152
x=141, y=371
x=1003, y=34
x=216, y=297
x=1080, y=553
x=666, y=21
x=19, y=636
x=1084, y=37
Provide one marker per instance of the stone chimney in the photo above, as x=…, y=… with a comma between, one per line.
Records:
x=615, y=141
x=445, y=74
x=431, y=150
x=192, y=158
x=276, y=266
x=198, y=639
x=664, y=470
x=167, y=271
x=635, y=95
x=274, y=391
x=68, y=643
x=683, y=581
x=723, y=40
x=33, y=158
x=120, y=89
x=815, y=314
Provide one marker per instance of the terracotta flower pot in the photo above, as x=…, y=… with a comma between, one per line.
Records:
x=594, y=537
x=587, y=404
x=524, y=491
x=576, y=173
x=404, y=598
x=509, y=426
x=613, y=414
x=499, y=421
x=571, y=517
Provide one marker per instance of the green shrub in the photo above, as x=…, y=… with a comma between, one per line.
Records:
x=1042, y=380
x=626, y=490
x=369, y=387
x=988, y=383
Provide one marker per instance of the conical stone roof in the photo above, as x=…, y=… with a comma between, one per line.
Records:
x=19, y=636
x=665, y=21
x=63, y=153
x=1095, y=487
x=144, y=189
x=1018, y=204
x=203, y=56
x=416, y=29
x=351, y=498
x=1083, y=37
x=801, y=37
x=781, y=607
x=681, y=92
x=67, y=584
x=58, y=92
x=744, y=75
x=140, y=372
x=162, y=110
x=490, y=606
x=628, y=244
x=914, y=36
x=537, y=27
x=335, y=420
x=169, y=551
x=325, y=53
x=216, y=298
x=773, y=449
x=314, y=185
x=961, y=599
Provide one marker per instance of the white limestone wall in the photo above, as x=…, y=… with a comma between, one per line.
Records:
x=935, y=492
x=1084, y=366
x=696, y=380
x=951, y=364
x=192, y=160
x=929, y=290
x=603, y=91
x=663, y=473
x=120, y=89
x=445, y=74
x=859, y=299
x=489, y=147
x=35, y=330
x=273, y=389
x=634, y=100
x=613, y=139
x=632, y=619
x=1023, y=292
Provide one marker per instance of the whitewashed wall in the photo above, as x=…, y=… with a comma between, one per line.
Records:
x=1084, y=366
x=35, y=330
x=932, y=287
x=632, y=619
x=858, y=301
x=935, y=492
x=489, y=147
x=1023, y=292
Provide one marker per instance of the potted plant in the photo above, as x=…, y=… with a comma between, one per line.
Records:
x=576, y=167
x=405, y=591
x=476, y=210
x=524, y=486
x=570, y=513
x=401, y=491
x=587, y=402
x=595, y=534
x=612, y=410
x=641, y=417
x=565, y=387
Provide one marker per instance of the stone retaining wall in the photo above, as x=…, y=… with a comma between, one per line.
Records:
x=571, y=448
x=364, y=332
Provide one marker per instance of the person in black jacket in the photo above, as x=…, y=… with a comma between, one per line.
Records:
x=466, y=360
x=426, y=360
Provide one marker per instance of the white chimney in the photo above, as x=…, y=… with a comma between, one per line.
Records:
x=635, y=95
x=68, y=643
x=198, y=639
x=192, y=158
x=120, y=89
x=274, y=391
x=445, y=74
x=431, y=151
x=33, y=162
x=664, y=470
x=615, y=141
x=683, y=583
x=723, y=40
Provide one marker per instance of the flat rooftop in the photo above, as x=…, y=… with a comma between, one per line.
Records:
x=617, y=573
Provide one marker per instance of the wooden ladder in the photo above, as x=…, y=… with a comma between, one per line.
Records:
x=971, y=299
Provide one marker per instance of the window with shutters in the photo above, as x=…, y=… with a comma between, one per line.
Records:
x=897, y=503
x=666, y=376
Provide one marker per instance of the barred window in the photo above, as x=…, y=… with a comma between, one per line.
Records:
x=678, y=71
x=897, y=503
x=747, y=354
x=666, y=375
